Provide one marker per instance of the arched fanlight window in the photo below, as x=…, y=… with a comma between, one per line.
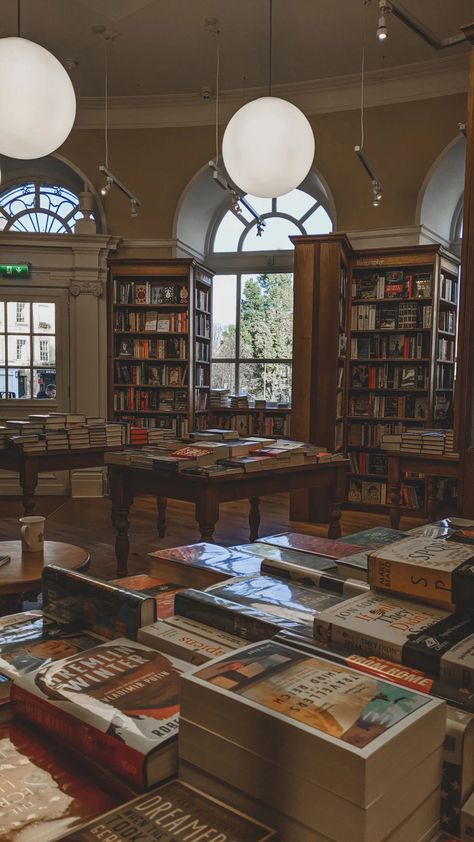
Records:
x=38, y=207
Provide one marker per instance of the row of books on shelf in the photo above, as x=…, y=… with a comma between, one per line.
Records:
x=200, y=400
x=251, y=424
x=445, y=349
x=171, y=348
x=368, y=463
x=396, y=345
x=218, y=657
x=444, y=377
x=391, y=283
x=448, y=288
x=201, y=375
x=389, y=376
x=60, y=431
x=132, y=321
x=203, y=351
x=202, y=299
x=150, y=400
x=434, y=441
x=370, y=435
x=150, y=292
x=369, y=492
x=403, y=316
x=146, y=374
x=447, y=321
x=202, y=325
x=385, y=406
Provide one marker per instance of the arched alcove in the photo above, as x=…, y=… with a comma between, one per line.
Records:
x=442, y=192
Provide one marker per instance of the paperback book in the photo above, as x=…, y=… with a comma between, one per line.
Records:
x=118, y=703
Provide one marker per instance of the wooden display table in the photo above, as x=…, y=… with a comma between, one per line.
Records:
x=23, y=572
x=207, y=493
x=428, y=464
x=29, y=465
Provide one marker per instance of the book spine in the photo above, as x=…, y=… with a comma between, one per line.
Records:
x=359, y=643
x=430, y=585
x=224, y=615
x=314, y=578
x=104, y=750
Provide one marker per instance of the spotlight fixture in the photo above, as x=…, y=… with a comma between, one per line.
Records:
x=385, y=8
x=236, y=197
x=113, y=181
x=133, y=208
x=377, y=191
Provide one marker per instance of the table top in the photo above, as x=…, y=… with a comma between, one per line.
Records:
x=24, y=570
x=17, y=454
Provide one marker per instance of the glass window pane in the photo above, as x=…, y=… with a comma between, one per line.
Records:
x=224, y=305
x=2, y=349
x=44, y=350
x=2, y=316
x=296, y=203
x=19, y=350
x=3, y=393
x=19, y=382
x=44, y=383
x=223, y=376
x=318, y=223
x=269, y=381
x=43, y=317
x=274, y=237
x=18, y=317
x=266, y=316
x=228, y=233
x=259, y=204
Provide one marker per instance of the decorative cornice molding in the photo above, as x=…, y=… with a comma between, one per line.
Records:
x=86, y=288
x=443, y=76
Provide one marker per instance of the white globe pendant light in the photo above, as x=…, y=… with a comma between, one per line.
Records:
x=37, y=100
x=268, y=147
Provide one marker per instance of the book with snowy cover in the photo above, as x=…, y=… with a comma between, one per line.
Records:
x=420, y=636
x=304, y=710
x=432, y=570
x=117, y=703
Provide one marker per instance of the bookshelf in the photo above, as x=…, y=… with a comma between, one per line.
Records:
x=253, y=422
x=320, y=367
x=160, y=314
x=402, y=351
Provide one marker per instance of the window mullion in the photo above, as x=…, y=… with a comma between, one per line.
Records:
x=238, y=291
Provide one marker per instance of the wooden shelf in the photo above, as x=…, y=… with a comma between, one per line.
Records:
x=386, y=300
x=152, y=334
x=392, y=330
x=385, y=418
x=152, y=306
x=152, y=359
x=409, y=391
x=183, y=386
x=402, y=360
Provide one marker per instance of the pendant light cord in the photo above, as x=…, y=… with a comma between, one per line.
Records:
x=362, y=78
x=106, y=103
x=218, y=68
x=18, y=18
x=270, y=46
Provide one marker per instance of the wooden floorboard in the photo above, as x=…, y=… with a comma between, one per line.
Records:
x=86, y=522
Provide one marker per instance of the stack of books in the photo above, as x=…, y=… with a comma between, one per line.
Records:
x=61, y=431
x=322, y=750
x=219, y=398
x=78, y=438
x=57, y=440
x=239, y=402
x=29, y=443
x=113, y=434
x=3, y=436
x=435, y=442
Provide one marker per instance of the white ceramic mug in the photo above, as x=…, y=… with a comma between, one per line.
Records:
x=32, y=534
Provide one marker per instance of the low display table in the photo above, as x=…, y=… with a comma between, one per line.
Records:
x=29, y=465
x=399, y=461
x=23, y=572
x=207, y=493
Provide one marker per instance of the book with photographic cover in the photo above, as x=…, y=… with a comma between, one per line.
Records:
x=200, y=565
x=376, y=536
x=301, y=542
x=280, y=554
x=118, y=703
x=387, y=318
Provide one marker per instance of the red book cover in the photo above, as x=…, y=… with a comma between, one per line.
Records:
x=162, y=591
x=311, y=544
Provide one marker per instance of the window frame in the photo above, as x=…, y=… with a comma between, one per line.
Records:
x=66, y=221
x=63, y=378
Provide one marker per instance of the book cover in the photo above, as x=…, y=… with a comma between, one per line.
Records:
x=162, y=591
x=79, y=601
x=43, y=793
x=310, y=544
x=310, y=576
x=286, y=600
x=203, y=564
x=173, y=813
x=230, y=617
x=190, y=641
x=118, y=702
x=458, y=768
x=355, y=566
x=267, y=551
x=375, y=537
x=437, y=571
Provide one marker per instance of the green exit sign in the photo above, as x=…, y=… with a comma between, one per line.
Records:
x=7, y=269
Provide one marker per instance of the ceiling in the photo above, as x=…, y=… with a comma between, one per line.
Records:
x=162, y=46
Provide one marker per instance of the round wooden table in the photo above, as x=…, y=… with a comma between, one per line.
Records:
x=23, y=572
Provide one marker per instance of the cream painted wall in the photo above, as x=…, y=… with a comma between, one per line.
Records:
x=401, y=141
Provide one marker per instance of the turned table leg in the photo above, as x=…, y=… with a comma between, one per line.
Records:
x=207, y=515
x=254, y=517
x=122, y=499
x=161, y=521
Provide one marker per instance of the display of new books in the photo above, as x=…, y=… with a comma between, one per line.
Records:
x=411, y=633
x=188, y=640
x=79, y=601
x=118, y=703
x=200, y=565
x=310, y=544
x=171, y=813
x=339, y=728
x=43, y=794
x=437, y=571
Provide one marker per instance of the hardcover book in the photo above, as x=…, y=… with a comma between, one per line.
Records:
x=172, y=813
x=353, y=723
x=233, y=618
x=200, y=565
x=310, y=544
x=163, y=592
x=118, y=703
x=267, y=551
x=417, y=635
x=375, y=537
x=79, y=601
x=437, y=571
x=188, y=640
x=458, y=768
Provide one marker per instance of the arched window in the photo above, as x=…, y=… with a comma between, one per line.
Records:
x=37, y=207
x=253, y=291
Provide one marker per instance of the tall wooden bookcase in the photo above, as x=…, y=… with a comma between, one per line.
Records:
x=395, y=310
x=321, y=288
x=160, y=328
